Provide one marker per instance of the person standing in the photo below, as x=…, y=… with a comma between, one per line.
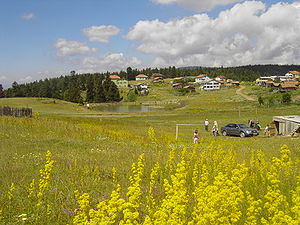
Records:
x=196, y=136
x=215, y=129
x=206, y=124
x=267, y=130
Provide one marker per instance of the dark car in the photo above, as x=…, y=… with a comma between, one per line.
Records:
x=238, y=129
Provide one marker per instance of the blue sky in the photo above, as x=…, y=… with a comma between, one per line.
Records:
x=42, y=39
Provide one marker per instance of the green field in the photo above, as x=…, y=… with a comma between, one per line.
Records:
x=86, y=144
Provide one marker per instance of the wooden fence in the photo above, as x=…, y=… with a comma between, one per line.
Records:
x=17, y=112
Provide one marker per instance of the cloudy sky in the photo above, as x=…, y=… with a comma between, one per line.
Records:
x=40, y=39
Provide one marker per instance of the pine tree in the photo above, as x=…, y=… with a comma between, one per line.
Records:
x=99, y=90
x=1, y=91
x=113, y=94
x=73, y=93
x=90, y=90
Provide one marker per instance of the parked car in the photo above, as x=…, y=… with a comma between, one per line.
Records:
x=238, y=129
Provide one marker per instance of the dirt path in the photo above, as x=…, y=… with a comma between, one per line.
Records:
x=239, y=92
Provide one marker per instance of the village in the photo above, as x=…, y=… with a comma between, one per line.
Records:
x=285, y=83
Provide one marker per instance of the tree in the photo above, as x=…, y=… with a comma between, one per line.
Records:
x=1, y=91
x=90, y=90
x=73, y=94
x=286, y=98
x=99, y=90
x=130, y=75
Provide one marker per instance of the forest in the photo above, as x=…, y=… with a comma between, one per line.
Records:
x=99, y=88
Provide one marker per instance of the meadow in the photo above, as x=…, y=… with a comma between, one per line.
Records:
x=72, y=165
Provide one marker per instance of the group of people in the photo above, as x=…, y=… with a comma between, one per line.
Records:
x=254, y=125
x=215, y=130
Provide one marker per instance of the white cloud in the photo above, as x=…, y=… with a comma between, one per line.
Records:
x=247, y=33
x=100, y=33
x=26, y=79
x=72, y=48
x=27, y=16
x=198, y=5
x=3, y=78
x=108, y=62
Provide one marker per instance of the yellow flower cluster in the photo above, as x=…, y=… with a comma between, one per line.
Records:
x=131, y=207
x=207, y=186
x=11, y=191
x=44, y=181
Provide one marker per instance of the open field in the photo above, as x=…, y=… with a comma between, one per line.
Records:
x=87, y=144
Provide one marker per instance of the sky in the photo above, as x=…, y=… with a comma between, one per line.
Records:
x=48, y=38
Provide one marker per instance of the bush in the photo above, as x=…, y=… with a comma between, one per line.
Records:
x=286, y=98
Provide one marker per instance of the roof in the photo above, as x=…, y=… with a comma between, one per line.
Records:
x=295, y=72
x=287, y=85
x=114, y=77
x=157, y=75
x=201, y=75
x=291, y=82
x=188, y=86
x=142, y=75
x=178, y=78
x=295, y=118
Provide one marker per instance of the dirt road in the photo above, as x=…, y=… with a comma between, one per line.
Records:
x=239, y=92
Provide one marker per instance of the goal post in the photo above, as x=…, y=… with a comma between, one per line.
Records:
x=178, y=125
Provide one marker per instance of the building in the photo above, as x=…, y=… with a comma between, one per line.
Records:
x=157, y=75
x=178, y=86
x=220, y=78
x=287, y=86
x=210, y=85
x=141, y=77
x=294, y=74
x=202, y=78
x=118, y=81
x=285, y=125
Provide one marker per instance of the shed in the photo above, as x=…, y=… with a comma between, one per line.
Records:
x=286, y=125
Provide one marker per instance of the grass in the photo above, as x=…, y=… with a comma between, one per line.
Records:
x=85, y=149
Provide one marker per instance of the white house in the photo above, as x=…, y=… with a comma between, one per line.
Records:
x=141, y=77
x=293, y=74
x=210, y=85
x=220, y=78
x=202, y=78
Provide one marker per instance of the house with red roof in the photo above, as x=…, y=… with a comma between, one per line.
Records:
x=220, y=78
x=141, y=77
x=119, y=81
x=202, y=78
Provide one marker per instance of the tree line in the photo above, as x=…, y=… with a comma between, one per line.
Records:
x=76, y=88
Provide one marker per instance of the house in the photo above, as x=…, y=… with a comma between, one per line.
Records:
x=118, y=81
x=190, y=88
x=178, y=86
x=210, y=85
x=176, y=79
x=158, y=80
x=294, y=74
x=220, y=78
x=287, y=86
x=141, y=77
x=285, y=125
x=157, y=75
x=235, y=83
x=141, y=86
x=202, y=78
